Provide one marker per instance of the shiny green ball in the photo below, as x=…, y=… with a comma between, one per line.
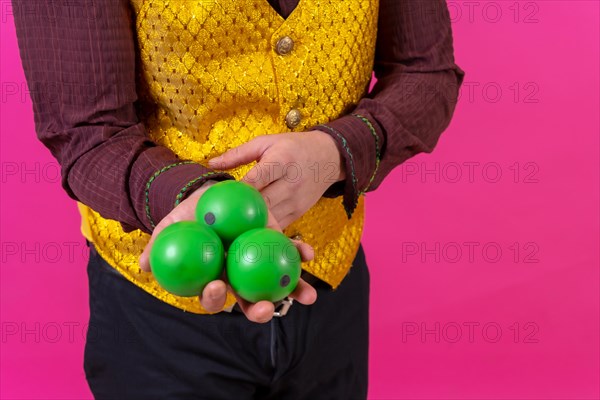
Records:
x=263, y=264
x=231, y=208
x=185, y=256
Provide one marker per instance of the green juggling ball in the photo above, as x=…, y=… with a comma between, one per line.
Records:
x=263, y=264
x=231, y=208
x=185, y=257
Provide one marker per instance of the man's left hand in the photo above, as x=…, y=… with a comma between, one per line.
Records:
x=293, y=170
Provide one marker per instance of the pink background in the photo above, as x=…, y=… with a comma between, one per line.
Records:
x=483, y=285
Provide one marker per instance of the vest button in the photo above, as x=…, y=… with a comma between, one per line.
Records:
x=293, y=118
x=284, y=45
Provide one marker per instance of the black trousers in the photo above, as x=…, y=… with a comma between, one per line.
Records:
x=139, y=347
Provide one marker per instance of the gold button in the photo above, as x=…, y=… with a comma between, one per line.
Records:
x=293, y=118
x=284, y=45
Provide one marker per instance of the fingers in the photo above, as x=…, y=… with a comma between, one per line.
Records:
x=144, y=259
x=272, y=222
x=145, y=256
x=306, y=251
x=275, y=194
x=304, y=293
x=259, y=312
x=239, y=155
x=262, y=311
x=260, y=175
x=290, y=217
x=264, y=173
x=214, y=296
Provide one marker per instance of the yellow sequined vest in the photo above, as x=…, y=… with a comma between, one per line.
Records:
x=216, y=73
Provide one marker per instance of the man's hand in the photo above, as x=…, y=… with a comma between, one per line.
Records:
x=214, y=294
x=294, y=169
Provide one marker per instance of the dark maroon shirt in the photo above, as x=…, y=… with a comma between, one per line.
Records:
x=79, y=62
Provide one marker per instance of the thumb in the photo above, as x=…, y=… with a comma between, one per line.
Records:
x=242, y=154
x=144, y=259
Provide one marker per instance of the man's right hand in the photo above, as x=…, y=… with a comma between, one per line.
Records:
x=214, y=294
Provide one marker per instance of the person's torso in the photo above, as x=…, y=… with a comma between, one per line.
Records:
x=215, y=74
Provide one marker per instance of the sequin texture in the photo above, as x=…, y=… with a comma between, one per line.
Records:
x=210, y=78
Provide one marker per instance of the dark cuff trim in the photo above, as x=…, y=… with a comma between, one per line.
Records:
x=349, y=203
x=149, y=183
x=186, y=188
x=377, y=150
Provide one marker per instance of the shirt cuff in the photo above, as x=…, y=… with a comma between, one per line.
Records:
x=167, y=184
x=359, y=140
x=176, y=184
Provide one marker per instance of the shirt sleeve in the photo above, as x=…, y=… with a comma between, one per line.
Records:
x=411, y=104
x=79, y=63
